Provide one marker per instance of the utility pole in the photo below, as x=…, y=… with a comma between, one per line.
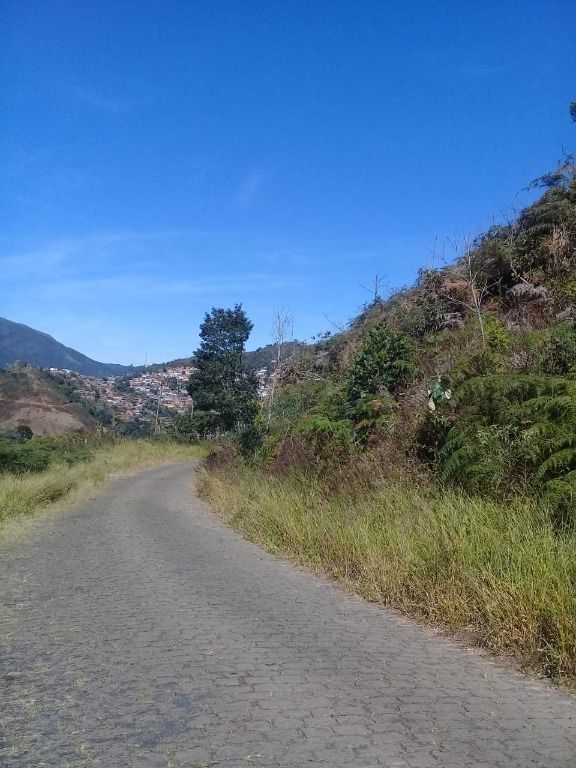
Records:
x=158, y=406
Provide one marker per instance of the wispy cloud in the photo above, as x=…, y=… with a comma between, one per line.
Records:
x=96, y=100
x=132, y=286
x=250, y=188
x=90, y=249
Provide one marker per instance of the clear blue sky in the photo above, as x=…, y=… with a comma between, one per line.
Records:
x=162, y=157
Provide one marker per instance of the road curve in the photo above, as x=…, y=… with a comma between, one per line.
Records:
x=139, y=631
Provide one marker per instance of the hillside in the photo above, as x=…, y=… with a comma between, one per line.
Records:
x=19, y=342
x=427, y=455
x=28, y=397
x=469, y=374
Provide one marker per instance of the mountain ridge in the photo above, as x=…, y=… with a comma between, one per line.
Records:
x=20, y=342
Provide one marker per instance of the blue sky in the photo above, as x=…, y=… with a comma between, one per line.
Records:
x=162, y=157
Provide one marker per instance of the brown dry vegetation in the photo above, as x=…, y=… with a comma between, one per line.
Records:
x=427, y=455
x=28, y=398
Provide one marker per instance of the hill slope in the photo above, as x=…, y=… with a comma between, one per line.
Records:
x=28, y=397
x=19, y=342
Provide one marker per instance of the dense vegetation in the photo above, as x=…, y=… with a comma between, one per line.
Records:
x=469, y=376
x=223, y=392
x=21, y=451
x=428, y=453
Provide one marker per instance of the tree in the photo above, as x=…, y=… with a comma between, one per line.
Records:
x=219, y=385
x=24, y=432
x=384, y=362
x=468, y=283
x=281, y=328
x=383, y=365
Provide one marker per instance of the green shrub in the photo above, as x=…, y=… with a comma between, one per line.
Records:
x=330, y=440
x=498, y=339
x=559, y=356
x=22, y=457
x=250, y=441
x=385, y=362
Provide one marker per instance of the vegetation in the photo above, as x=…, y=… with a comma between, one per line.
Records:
x=72, y=468
x=500, y=574
x=224, y=394
x=428, y=453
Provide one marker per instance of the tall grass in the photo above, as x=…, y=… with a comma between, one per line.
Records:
x=500, y=574
x=26, y=494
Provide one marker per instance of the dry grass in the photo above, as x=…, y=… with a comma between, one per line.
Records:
x=499, y=573
x=24, y=495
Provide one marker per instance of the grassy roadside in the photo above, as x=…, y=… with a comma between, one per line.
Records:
x=497, y=573
x=26, y=494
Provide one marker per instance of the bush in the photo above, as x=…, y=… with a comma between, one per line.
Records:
x=22, y=457
x=560, y=352
x=385, y=362
x=250, y=440
x=331, y=441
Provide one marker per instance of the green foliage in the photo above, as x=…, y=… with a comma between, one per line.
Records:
x=428, y=308
x=479, y=457
x=250, y=440
x=384, y=363
x=24, y=432
x=547, y=230
x=224, y=394
x=19, y=457
x=560, y=351
x=331, y=440
x=492, y=259
x=498, y=339
x=515, y=426
x=35, y=454
x=192, y=427
x=382, y=367
x=307, y=397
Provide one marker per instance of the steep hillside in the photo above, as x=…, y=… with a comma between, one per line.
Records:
x=27, y=397
x=19, y=342
x=469, y=375
x=427, y=455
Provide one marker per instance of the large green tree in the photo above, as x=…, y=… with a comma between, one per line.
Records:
x=223, y=392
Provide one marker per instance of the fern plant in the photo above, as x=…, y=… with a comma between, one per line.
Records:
x=513, y=426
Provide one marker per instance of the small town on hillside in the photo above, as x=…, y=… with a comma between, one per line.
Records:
x=136, y=395
x=139, y=396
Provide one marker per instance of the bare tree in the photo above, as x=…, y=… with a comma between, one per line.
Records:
x=374, y=289
x=282, y=328
x=469, y=276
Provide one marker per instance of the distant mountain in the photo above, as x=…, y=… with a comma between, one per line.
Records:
x=253, y=360
x=21, y=343
x=263, y=357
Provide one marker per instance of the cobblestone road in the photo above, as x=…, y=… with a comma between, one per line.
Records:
x=138, y=631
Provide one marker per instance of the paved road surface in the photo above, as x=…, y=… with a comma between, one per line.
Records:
x=141, y=632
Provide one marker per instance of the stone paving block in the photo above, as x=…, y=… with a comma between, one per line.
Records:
x=138, y=632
